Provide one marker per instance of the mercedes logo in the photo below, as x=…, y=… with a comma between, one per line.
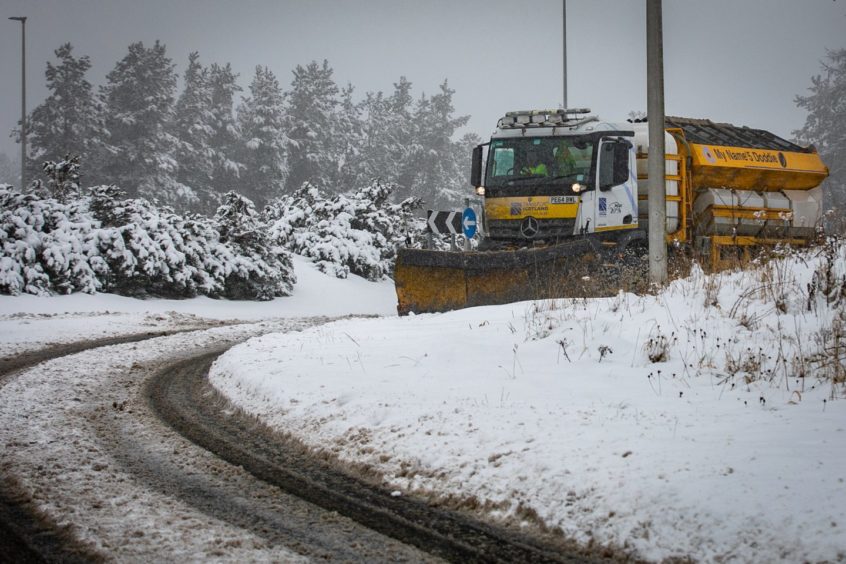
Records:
x=529, y=228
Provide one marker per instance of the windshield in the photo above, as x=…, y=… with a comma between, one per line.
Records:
x=539, y=160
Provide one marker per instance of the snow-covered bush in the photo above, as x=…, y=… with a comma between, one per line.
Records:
x=143, y=247
x=63, y=178
x=105, y=242
x=357, y=233
x=46, y=246
x=259, y=268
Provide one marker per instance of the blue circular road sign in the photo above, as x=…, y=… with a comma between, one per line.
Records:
x=468, y=222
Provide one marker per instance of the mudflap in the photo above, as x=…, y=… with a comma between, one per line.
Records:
x=434, y=281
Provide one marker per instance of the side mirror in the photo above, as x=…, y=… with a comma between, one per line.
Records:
x=476, y=167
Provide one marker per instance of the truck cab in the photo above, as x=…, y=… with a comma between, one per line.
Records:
x=551, y=175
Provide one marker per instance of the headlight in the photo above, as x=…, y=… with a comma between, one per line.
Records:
x=480, y=190
x=577, y=187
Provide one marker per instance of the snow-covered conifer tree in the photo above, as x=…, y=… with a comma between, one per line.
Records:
x=825, y=123
x=347, y=144
x=437, y=174
x=225, y=136
x=68, y=121
x=402, y=140
x=138, y=101
x=396, y=223
x=102, y=241
x=192, y=127
x=463, y=153
x=263, y=148
x=389, y=141
x=23, y=218
x=311, y=127
x=373, y=109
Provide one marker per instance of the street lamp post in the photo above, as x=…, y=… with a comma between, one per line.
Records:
x=23, y=99
x=564, y=27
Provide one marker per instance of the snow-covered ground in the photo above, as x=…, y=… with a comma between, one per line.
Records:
x=552, y=411
x=713, y=448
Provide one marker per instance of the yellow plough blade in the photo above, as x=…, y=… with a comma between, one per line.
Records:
x=433, y=281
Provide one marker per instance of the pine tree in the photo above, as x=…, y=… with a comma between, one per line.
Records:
x=402, y=137
x=371, y=158
x=68, y=121
x=388, y=138
x=825, y=125
x=347, y=143
x=138, y=100
x=193, y=129
x=310, y=117
x=263, y=146
x=225, y=136
x=438, y=177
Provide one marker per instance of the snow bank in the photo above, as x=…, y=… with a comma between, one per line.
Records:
x=707, y=421
x=28, y=320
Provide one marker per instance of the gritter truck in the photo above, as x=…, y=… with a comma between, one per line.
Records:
x=562, y=185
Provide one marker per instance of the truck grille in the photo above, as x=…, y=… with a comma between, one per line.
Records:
x=547, y=229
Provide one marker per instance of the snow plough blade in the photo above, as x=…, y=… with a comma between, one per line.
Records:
x=433, y=281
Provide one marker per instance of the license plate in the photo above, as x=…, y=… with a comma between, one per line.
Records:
x=562, y=200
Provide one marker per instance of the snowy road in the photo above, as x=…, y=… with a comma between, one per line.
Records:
x=105, y=470
x=111, y=479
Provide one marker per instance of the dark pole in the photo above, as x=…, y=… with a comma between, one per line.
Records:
x=564, y=27
x=656, y=163
x=23, y=100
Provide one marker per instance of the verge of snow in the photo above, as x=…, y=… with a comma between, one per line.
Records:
x=555, y=409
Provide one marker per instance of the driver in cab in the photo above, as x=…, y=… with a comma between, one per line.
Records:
x=534, y=165
x=564, y=160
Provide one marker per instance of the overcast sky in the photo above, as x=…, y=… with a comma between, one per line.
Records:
x=741, y=61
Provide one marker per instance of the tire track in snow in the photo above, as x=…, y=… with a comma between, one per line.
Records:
x=183, y=397
x=27, y=535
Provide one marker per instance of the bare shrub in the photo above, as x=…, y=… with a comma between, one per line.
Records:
x=657, y=346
